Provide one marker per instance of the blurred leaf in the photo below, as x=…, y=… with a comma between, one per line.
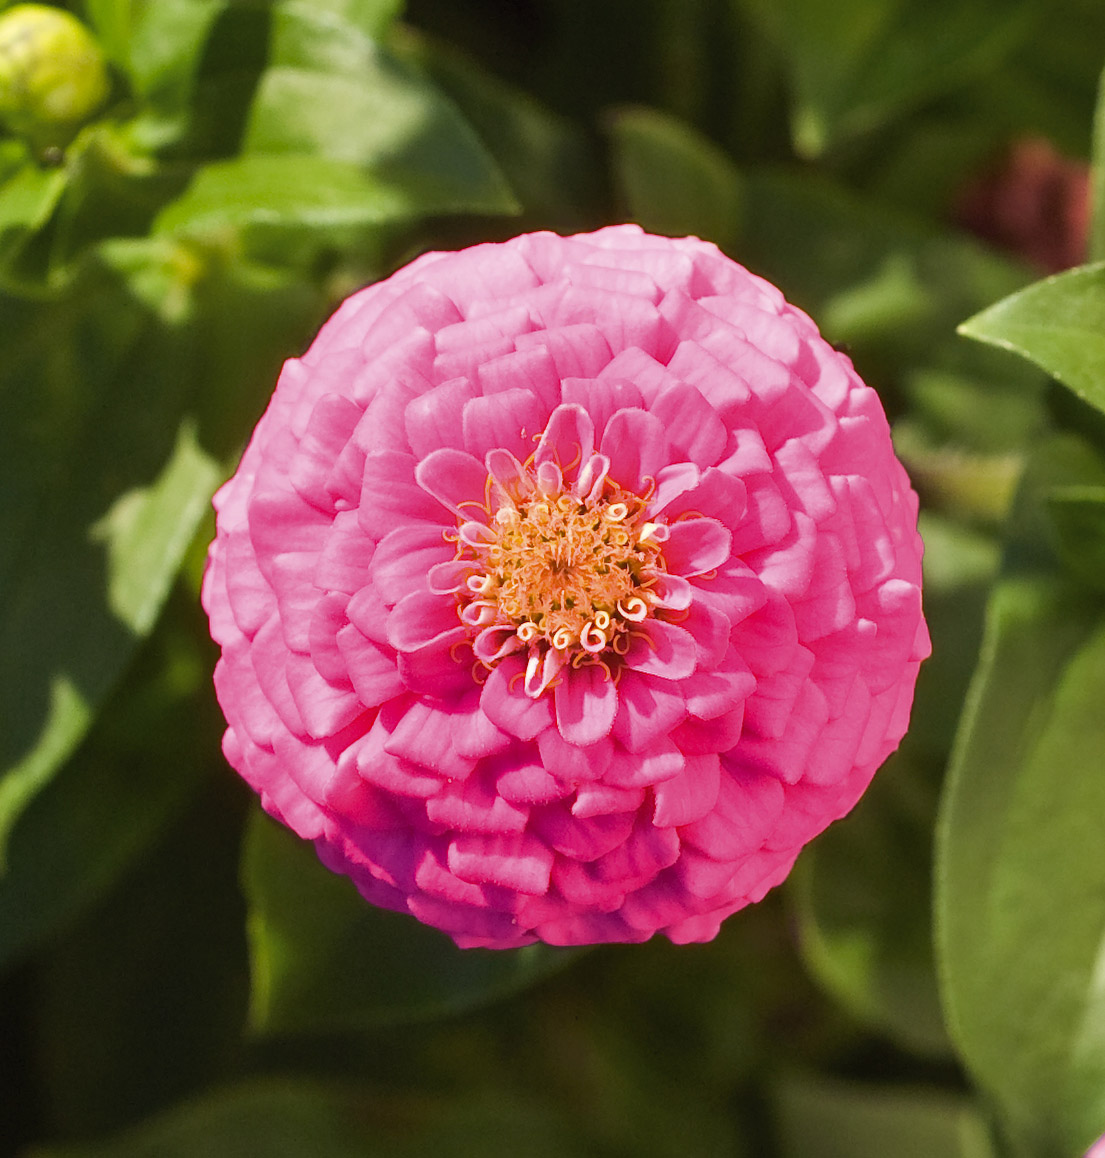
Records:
x=550, y=164
x=286, y=1118
x=28, y=196
x=324, y=960
x=862, y=891
x=822, y=1118
x=672, y=180
x=1097, y=178
x=73, y=604
x=292, y=190
x=332, y=91
x=855, y=65
x=1021, y=867
x=1078, y=518
x=1058, y=323
x=143, y=1001
x=157, y=43
x=141, y=762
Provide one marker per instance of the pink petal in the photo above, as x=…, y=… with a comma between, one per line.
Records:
x=637, y=447
x=691, y=424
x=661, y=761
x=696, y=546
x=572, y=764
x=648, y=709
x=371, y=668
x=568, y=438
x=433, y=419
x=508, y=707
x=508, y=420
x=583, y=841
x=689, y=796
x=456, y=479
x=661, y=649
x=597, y=799
x=586, y=704
x=744, y=816
x=391, y=497
x=421, y=620
x=404, y=557
x=510, y=861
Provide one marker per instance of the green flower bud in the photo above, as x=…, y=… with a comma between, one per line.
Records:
x=53, y=76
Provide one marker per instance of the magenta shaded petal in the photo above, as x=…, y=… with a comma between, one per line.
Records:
x=508, y=707
x=663, y=650
x=568, y=438
x=600, y=799
x=695, y=546
x=571, y=763
x=747, y=809
x=529, y=782
x=473, y=806
x=404, y=557
x=586, y=703
x=661, y=761
x=423, y=620
x=371, y=668
x=689, y=796
x=423, y=735
x=647, y=710
x=565, y=834
x=520, y=862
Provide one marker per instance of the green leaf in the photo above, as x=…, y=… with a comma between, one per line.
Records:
x=856, y=64
x=550, y=163
x=157, y=43
x=294, y=1118
x=1058, y=323
x=142, y=761
x=1021, y=867
x=293, y=190
x=77, y=454
x=1078, y=519
x=28, y=196
x=333, y=92
x=862, y=892
x=1097, y=178
x=673, y=180
x=324, y=960
x=823, y=1118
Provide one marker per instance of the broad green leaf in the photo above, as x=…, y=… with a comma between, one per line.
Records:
x=1058, y=323
x=301, y=1118
x=550, y=163
x=334, y=92
x=825, y=1118
x=157, y=43
x=672, y=180
x=1021, y=867
x=1078, y=518
x=862, y=892
x=142, y=1001
x=291, y=190
x=324, y=960
x=81, y=576
x=143, y=760
x=856, y=64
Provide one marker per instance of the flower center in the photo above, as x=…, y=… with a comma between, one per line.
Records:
x=573, y=575
x=561, y=576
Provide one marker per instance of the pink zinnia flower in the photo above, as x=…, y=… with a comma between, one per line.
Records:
x=566, y=589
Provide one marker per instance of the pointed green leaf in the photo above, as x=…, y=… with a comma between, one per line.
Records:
x=1078, y=519
x=1058, y=323
x=324, y=960
x=1021, y=867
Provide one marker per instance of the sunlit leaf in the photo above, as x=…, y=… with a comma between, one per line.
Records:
x=1021, y=867
x=1058, y=323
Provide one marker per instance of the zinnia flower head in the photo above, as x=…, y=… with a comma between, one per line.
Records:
x=566, y=589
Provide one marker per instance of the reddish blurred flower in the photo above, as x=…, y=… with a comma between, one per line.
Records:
x=565, y=590
x=1034, y=203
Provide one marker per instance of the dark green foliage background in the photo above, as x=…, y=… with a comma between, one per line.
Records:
x=179, y=976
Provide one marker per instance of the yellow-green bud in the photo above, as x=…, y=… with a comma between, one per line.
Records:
x=52, y=73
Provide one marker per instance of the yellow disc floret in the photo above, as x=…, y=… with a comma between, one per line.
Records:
x=573, y=575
